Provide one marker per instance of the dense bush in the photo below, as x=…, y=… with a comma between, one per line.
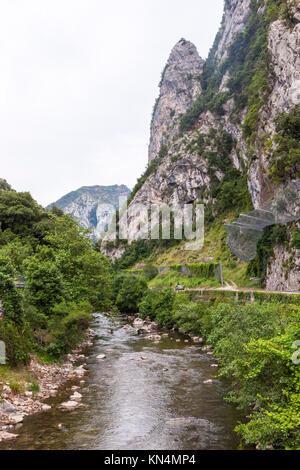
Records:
x=254, y=343
x=66, y=326
x=150, y=271
x=285, y=159
x=130, y=293
x=18, y=342
x=296, y=238
x=60, y=266
x=158, y=306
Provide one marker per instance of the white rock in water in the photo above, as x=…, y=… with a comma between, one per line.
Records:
x=101, y=356
x=7, y=436
x=69, y=405
x=46, y=407
x=80, y=371
x=196, y=339
x=208, y=382
x=76, y=396
x=138, y=323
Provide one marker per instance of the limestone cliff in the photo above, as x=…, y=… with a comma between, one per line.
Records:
x=227, y=137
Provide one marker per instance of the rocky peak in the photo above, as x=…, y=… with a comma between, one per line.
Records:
x=93, y=206
x=179, y=87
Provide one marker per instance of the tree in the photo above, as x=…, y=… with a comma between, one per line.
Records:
x=11, y=299
x=130, y=294
x=44, y=284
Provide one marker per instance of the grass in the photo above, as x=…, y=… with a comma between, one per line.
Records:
x=215, y=248
x=173, y=278
x=18, y=379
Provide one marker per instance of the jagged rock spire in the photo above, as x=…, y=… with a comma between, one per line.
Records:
x=179, y=87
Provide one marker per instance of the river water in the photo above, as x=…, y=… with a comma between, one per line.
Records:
x=142, y=396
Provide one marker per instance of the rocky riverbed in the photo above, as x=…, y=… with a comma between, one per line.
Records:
x=145, y=388
x=15, y=406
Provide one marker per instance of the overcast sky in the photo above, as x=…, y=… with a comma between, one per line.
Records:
x=78, y=82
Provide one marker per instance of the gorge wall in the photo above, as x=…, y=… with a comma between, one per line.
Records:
x=214, y=130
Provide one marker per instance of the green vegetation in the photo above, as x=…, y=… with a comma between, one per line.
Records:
x=173, y=278
x=286, y=235
x=254, y=342
x=296, y=239
x=150, y=271
x=65, y=279
x=248, y=64
x=188, y=275
x=158, y=305
x=285, y=158
x=130, y=292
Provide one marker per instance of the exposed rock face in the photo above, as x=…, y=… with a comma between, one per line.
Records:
x=285, y=61
x=283, y=273
x=93, y=206
x=179, y=88
x=234, y=21
x=184, y=174
x=279, y=278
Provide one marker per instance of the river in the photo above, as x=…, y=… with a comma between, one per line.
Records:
x=142, y=396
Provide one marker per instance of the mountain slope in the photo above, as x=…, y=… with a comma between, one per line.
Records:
x=237, y=146
x=93, y=206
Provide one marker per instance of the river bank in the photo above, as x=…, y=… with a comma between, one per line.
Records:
x=140, y=392
x=29, y=398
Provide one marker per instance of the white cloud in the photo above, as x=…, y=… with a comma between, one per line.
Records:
x=78, y=82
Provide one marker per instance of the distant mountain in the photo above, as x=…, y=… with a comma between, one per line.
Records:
x=86, y=205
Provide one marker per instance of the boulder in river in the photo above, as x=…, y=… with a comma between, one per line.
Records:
x=196, y=339
x=101, y=356
x=79, y=371
x=46, y=407
x=7, y=436
x=138, y=323
x=76, y=397
x=69, y=405
x=208, y=382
